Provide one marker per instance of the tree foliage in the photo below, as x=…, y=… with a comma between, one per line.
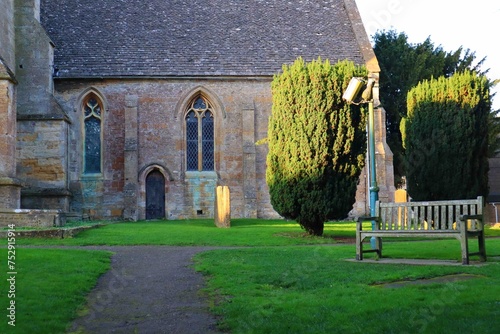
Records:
x=316, y=143
x=446, y=137
x=403, y=65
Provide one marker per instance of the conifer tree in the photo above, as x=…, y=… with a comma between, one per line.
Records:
x=403, y=65
x=446, y=137
x=316, y=143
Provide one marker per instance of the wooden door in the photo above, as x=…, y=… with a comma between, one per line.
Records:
x=155, y=195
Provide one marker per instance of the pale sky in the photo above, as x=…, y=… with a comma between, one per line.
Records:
x=451, y=24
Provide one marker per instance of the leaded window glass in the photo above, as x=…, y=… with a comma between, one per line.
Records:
x=200, y=136
x=192, y=141
x=207, y=139
x=92, y=151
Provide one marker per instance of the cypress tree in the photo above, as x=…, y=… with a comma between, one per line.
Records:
x=446, y=137
x=403, y=65
x=316, y=143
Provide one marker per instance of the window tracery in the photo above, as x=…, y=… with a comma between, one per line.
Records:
x=92, y=136
x=199, y=136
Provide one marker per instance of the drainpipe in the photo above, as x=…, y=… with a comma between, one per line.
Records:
x=496, y=211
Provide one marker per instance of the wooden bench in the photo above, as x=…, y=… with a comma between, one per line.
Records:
x=458, y=219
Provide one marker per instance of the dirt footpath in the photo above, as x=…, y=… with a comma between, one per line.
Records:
x=150, y=289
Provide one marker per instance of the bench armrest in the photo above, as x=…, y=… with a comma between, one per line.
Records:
x=364, y=219
x=360, y=220
x=467, y=217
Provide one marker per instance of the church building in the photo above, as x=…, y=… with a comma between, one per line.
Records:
x=128, y=109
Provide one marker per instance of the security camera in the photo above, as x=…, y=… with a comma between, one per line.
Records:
x=353, y=89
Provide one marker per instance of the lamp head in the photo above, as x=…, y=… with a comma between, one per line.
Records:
x=353, y=89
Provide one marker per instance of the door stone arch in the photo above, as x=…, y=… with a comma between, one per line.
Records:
x=155, y=195
x=154, y=185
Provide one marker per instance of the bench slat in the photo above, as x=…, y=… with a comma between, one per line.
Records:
x=414, y=218
x=436, y=216
x=442, y=220
x=421, y=217
x=430, y=203
x=404, y=234
x=474, y=221
x=390, y=219
x=450, y=218
x=428, y=223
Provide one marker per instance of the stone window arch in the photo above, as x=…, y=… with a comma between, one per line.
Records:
x=200, y=135
x=92, y=109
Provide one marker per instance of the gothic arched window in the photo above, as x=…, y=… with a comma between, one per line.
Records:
x=92, y=135
x=199, y=136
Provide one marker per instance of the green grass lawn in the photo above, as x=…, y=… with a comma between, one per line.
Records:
x=201, y=232
x=50, y=287
x=315, y=290
x=282, y=281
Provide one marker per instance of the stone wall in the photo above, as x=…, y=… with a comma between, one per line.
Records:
x=200, y=194
x=9, y=185
x=34, y=60
x=7, y=129
x=30, y=218
x=10, y=193
x=42, y=127
x=241, y=109
x=41, y=162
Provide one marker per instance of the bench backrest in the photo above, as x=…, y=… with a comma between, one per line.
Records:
x=435, y=215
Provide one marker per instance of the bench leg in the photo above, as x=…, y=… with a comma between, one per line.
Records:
x=464, y=245
x=359, y=246
x=482, y=246
x=378, y=247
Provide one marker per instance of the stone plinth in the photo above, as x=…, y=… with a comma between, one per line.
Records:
x=10, y=193
x=30, y=218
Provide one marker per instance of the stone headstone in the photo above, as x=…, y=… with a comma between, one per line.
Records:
x=401, y=196
x=222, y=212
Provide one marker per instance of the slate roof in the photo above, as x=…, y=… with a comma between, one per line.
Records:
x=122, y=38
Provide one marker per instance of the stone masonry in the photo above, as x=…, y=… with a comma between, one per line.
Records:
x=10, y=186
x=25, y=84
x=156, y=141
x=42, y=126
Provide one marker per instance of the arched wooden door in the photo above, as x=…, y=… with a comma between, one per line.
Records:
x=155, y=195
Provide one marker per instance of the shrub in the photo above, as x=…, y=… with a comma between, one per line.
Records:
x=316, y=143
x=446, y=137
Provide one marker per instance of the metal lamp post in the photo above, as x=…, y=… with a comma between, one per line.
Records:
x=373, y=170
x=349, y=96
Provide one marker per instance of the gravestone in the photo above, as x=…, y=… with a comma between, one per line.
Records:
x=222, y=212
x=401, y=196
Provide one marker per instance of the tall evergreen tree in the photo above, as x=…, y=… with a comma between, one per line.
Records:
x=316, y=143
x=446, y=137
x=403, y=65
